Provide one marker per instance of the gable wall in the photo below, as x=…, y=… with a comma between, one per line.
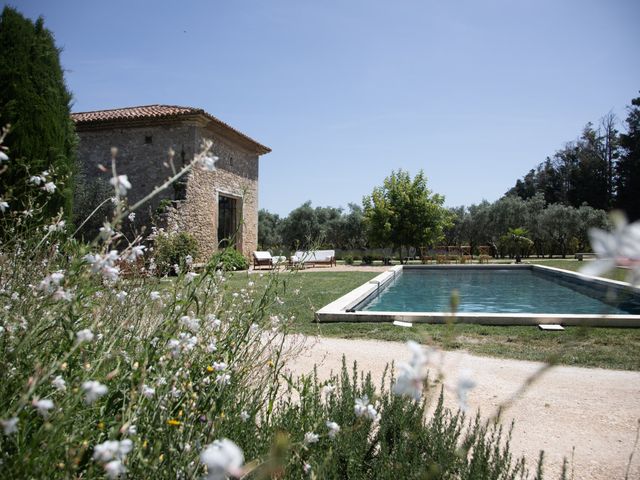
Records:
x=236, y=175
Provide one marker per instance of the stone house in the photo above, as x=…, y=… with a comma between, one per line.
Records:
x=210, y=205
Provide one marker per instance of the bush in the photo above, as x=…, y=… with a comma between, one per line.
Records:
x=367, y=259
x=348, y=259
x=229, y=259
x=173, y=249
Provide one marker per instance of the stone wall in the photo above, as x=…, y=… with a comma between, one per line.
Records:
x=236, y=175
x=142, y=156
x=145, y=164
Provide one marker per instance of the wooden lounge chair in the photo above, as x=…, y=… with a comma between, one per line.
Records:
x=427, y=255
x=467, y=254
x=484, y=253
x=262, y=259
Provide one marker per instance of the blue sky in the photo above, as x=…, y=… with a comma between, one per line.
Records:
x=473, y=92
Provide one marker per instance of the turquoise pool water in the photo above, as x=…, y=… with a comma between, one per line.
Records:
x=496, y=291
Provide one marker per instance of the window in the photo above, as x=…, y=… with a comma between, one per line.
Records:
x=148, y=139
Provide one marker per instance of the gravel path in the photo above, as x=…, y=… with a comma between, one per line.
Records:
x=594, y=410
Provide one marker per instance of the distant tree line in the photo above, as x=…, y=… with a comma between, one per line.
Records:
x=543, y=229
x=307, y=226
x=601, y=168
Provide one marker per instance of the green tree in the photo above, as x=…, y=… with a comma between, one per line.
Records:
x=269, y=229
x=560, y=224
x=628, y=171
x=301, y=229
x=35, y=101
x=403, y=212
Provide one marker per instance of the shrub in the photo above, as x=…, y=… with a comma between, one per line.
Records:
x=348, y=259
x=174, y=249
x=367, y=259
x=229, y=259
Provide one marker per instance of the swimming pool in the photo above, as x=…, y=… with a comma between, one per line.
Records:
x=488, y=294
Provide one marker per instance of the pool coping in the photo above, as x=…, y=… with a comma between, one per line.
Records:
x=341, y=310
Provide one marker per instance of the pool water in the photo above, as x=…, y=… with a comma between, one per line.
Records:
x=494, y=291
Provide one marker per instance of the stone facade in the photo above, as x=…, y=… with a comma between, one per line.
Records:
x=143, y=141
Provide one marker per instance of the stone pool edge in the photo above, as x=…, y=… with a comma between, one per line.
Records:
x=340, y=310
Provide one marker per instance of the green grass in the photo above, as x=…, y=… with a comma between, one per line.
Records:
x=575, y=266
x=306, y=292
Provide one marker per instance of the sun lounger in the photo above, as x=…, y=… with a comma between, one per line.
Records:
x=313, y=257
x=262, y=259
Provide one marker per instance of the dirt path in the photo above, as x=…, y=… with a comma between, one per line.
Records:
x=595, y=410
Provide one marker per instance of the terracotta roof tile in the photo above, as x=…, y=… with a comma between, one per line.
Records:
x=153, y=112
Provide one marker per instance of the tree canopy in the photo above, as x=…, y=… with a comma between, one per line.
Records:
x=403, y=212
x=36, y=102
x=601, y=168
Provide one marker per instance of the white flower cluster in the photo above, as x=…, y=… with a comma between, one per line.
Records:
x=93, y=390
x=104, y=264
x=223, y=458
x=121, y=184
x=184, y=343
x=365, y=409
x=411, y=375
x=111, y=454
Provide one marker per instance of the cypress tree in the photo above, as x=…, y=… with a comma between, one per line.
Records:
x=35, y=101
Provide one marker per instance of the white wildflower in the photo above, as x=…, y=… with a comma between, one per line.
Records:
x=223, y=458
x=188, y=260
x=112, y=449
x=3, y=205
x=148, y=392
x=464, y=385
x=114, y=469
x=328, y=389
x=136, y=252
x=43, y=406
x=192, y=324
x=132, y=216
x=190, y=276
x=363, y=408
x=106, y=231
x=56, y=227
x=223, y=379
x=36, y=180
x=306, y=468
x=10, y=425
x=93, y=391
x=212, y=347
x=3, y=157
x=411, y=375
x=155, y=295
x=213, y=321
x=49, y=187
x=85, y=335
x=208, y=163
x=334, y=428
x=121, y=296
x=310, y=438
x=59, y=384
x=618, y=248
x=244, y=416
x=219, y=366
x=121, y=184
x=50, y=282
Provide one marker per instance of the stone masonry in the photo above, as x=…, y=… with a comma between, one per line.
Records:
x=144, y=135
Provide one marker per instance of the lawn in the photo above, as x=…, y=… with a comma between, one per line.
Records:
x=306, y=292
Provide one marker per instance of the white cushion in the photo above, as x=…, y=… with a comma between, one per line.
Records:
x=262, y=255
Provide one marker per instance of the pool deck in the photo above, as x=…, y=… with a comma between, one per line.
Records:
x=343, y=309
